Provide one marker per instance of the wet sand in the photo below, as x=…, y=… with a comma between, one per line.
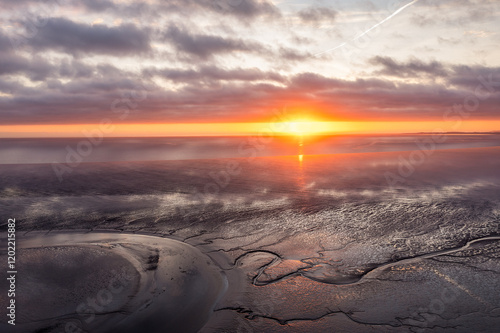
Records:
x=311, y=244
x=110, y=282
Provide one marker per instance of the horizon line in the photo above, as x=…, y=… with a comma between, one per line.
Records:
x=297, y=127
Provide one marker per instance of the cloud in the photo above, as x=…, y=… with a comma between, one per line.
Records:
x=37, y=69
x=460, y=76
x=206, y=46
x=225, y=60
x=238, y=93
x=317, y=14
x=211, y=74
x=317, y=82
x=468, y=77
x=98, y=5
x=411, y=68
x=290, y=54
x=73, y=38
x=4, y=42
x=456, y=13
x=243, y=9
x=16, y=3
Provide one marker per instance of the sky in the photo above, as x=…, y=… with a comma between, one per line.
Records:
x=226, y=66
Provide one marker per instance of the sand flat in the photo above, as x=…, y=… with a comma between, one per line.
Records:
x=106, y=282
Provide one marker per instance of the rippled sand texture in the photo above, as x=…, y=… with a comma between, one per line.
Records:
x=308, y=244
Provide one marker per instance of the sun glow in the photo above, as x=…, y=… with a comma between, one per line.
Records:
x=304, y=127
x=293, y=127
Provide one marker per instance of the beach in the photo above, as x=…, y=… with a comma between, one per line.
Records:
x=278, y=243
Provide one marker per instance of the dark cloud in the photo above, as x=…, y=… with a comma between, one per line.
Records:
x=317, y=82
x=74, y=69
x=459, y=76
x=77, y=38
x=5, y=43
x=411, y=68
x=16, y=3
x=212, y=74
x=76, y=101
x=205, y=46
x=285, y=53
x=8, y=86
x=98, y=5
x=242, y=8
x=238, y=93
x=317, y=14
x=312, y=81
x=37, y=69
x=469, y=77
x=245, y=9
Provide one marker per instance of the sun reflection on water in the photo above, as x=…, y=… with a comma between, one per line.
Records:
x=301, y=151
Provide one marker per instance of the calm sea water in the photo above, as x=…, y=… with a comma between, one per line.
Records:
x=20, y=151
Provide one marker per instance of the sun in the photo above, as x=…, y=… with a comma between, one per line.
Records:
x=298, y=127
x=303, y=127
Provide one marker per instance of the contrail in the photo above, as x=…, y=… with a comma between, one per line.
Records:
x=376, y=25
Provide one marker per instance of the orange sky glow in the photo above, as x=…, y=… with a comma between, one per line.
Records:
x=303, y=127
